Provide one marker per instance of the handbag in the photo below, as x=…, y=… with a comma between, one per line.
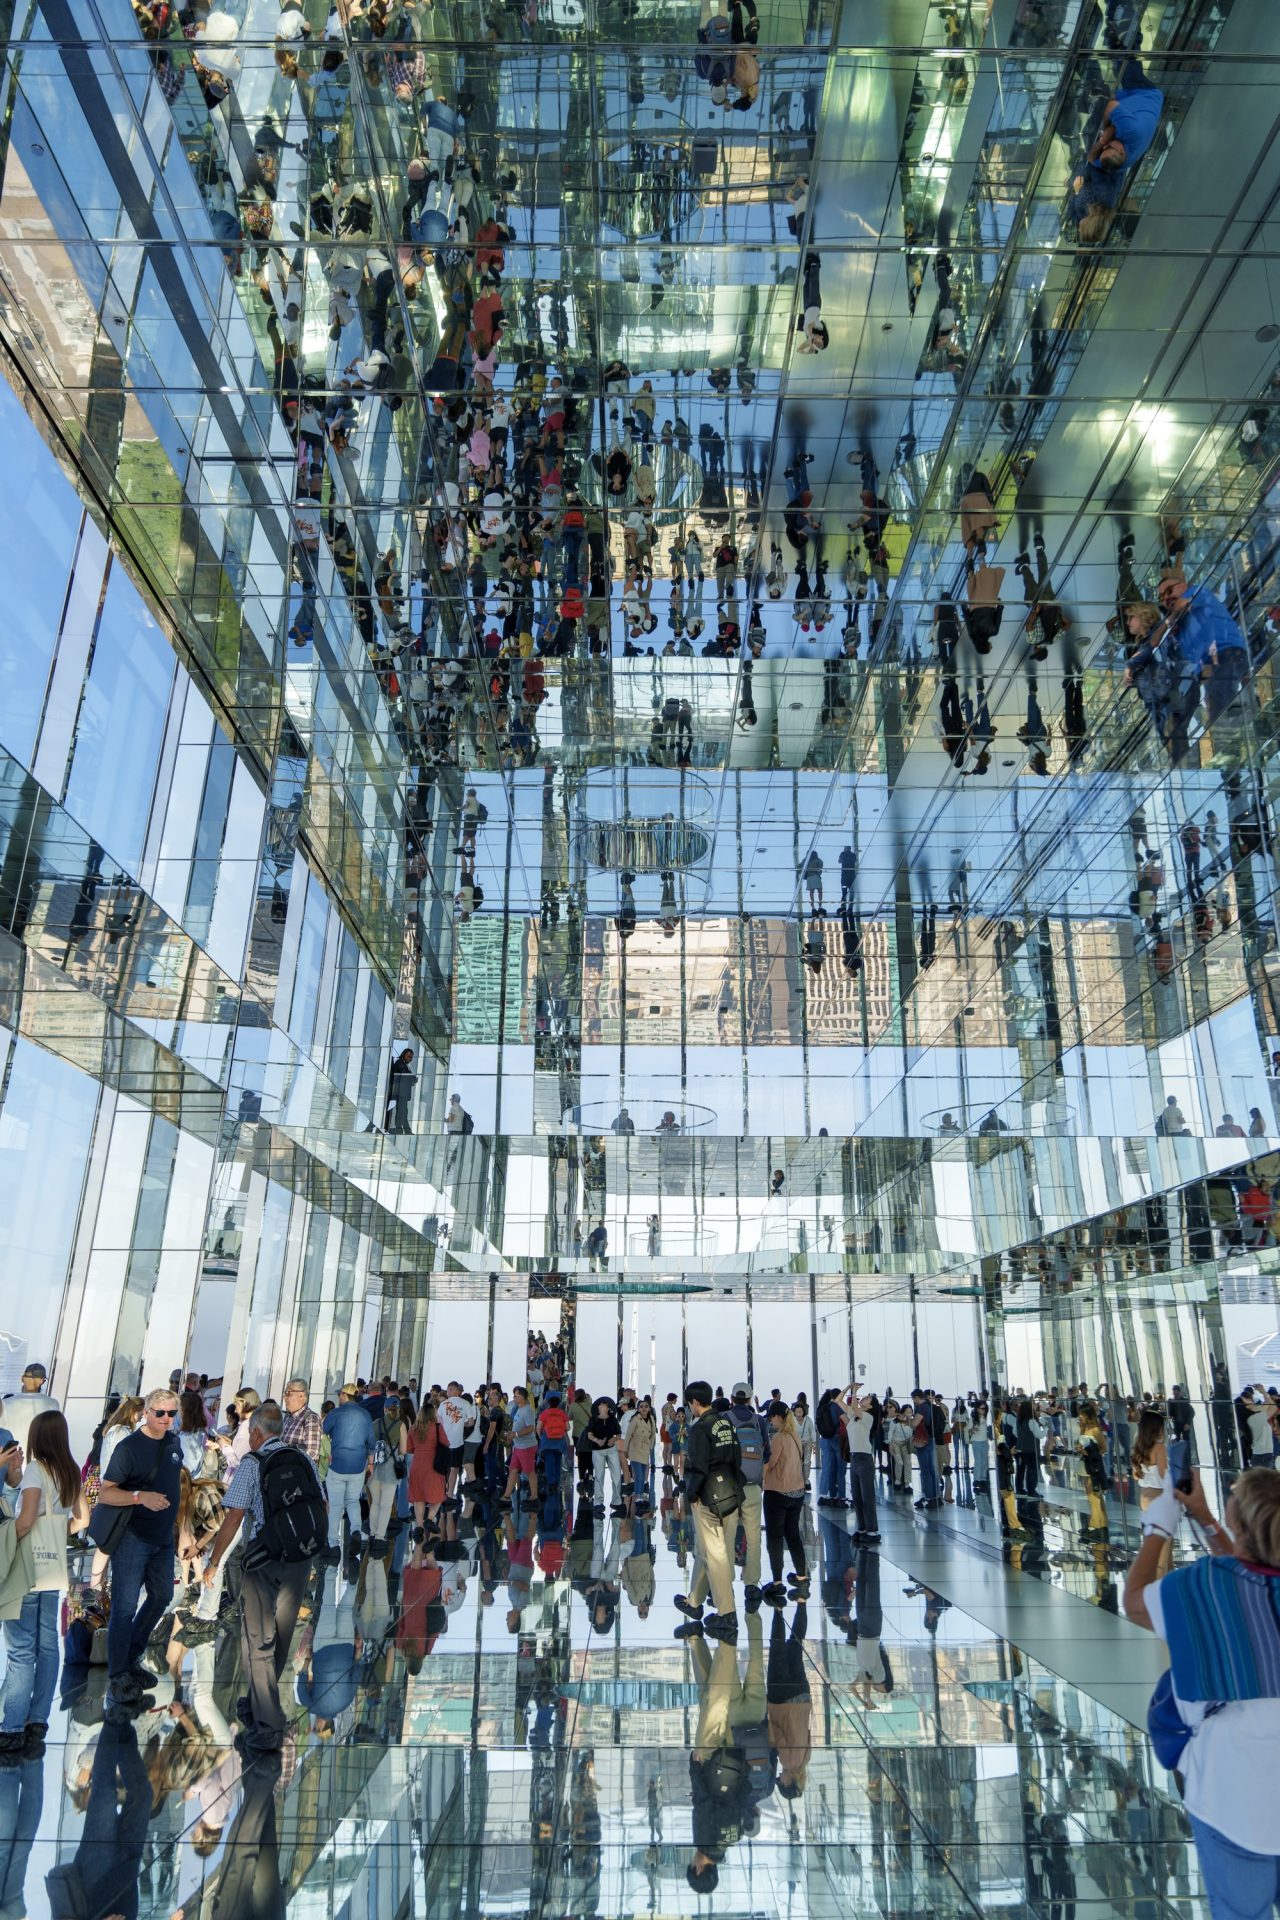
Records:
x=108, y=1525
x=1170, y=1733
x=49, y=1541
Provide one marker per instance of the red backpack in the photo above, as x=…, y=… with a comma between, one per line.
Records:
x=554, y=1422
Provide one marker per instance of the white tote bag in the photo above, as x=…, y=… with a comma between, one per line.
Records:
x=49, y=1539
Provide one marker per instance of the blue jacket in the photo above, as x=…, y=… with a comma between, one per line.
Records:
x=1136, y=116
x=350, y=1428
x=445, y=118
x=1205, y=624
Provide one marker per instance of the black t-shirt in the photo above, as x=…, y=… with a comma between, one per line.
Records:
x=131, y=1463
x=605, y=1427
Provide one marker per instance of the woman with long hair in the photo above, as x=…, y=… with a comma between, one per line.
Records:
x=1150, y=1459
x=1092, y=1448
x=424, y=1445
x=1220, y=1618
x=192, y=1432
x=1028, y=1434
x=50, y=1503
x=782, y=1500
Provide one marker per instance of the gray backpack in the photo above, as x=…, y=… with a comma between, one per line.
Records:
x=750, y=1444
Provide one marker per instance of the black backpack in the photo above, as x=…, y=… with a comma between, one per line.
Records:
x=828, y=1420
x=939, y=1423
x=721, y=1490
x=295, y=1520
x=468, y=1124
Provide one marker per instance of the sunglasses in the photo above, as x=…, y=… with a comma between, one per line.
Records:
x=164, y=1413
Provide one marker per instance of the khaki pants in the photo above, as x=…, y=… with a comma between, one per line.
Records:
x=749, y=1516
x=716, y=1546
x=726, y=1701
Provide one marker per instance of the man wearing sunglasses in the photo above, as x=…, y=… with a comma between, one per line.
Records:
x=146, y=1471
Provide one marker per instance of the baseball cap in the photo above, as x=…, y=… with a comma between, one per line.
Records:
x=34, y=1371
x=741, y=1391
x=352, y=1389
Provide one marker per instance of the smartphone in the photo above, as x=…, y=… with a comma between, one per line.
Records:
x=1180, y=1465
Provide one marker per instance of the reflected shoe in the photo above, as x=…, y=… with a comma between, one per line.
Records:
x=775, y=1594
x=721, y=1626
x=690, y=1609
x=870, y=1539
x=332, y=1556
x=753, y=1597
x=800, y=1588
x=691, y=1630
x=145, y=1680
x=13, y=1747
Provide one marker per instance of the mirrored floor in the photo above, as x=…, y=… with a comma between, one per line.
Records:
x=504, y=1723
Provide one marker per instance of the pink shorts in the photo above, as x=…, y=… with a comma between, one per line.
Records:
x=522, y=1458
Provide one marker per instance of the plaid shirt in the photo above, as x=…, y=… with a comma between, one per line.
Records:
x=244, y=1492
x=303, y=1430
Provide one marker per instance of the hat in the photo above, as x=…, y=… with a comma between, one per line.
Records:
x=351, y=1389
x=417, y=169
x=741, y=1391
x=34, y=1371
x=719, y=94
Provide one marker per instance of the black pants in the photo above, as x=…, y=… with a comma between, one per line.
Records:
x=269, y=1603
x=782, y=1523
x=1026, y=1477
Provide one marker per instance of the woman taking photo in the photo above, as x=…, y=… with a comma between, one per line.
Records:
x=50, y=1503
x=1219, y=1616
x=1150, y=1464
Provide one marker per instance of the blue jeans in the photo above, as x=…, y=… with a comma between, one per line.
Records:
x=927, y=1461
x=640, y=1481
x=1240, y=1885
x=831, y=1484
x=137, y=1567
x=31, y=1645
x=552, y=1463
x=21, y=1805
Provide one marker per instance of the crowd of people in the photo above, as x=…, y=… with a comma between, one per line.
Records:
x=287, y=1528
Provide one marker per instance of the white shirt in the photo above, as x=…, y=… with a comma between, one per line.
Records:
x=1230, y=1761
x=453, y=1415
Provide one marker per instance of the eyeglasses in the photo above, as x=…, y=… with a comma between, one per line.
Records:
x=164, y=1413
